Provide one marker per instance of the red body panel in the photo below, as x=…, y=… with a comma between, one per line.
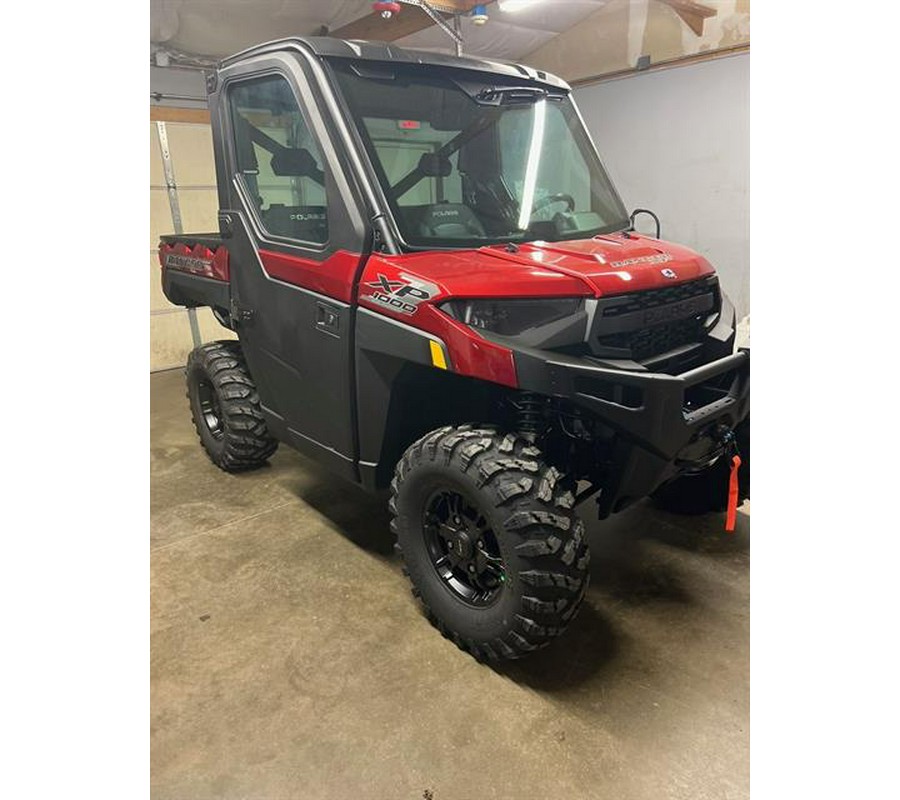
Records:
x=332, y=277
x=477, y=273
x=469, y=353
x=610, y=265
x=408, y=287
x=197, y=260
x=604, y=265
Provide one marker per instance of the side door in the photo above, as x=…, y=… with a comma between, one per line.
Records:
x=297, y=235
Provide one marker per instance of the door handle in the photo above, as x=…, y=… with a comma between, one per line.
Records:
x=328, y=319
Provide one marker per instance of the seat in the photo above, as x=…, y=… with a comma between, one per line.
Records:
x=449, y=221
x=306, y=223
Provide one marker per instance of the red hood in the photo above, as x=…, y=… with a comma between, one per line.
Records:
x=603, y=265
x=615, y=264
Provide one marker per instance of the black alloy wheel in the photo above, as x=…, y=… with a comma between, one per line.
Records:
x=210, y=409
x=463, y=548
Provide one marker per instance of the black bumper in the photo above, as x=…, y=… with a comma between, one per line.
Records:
x=664, y=422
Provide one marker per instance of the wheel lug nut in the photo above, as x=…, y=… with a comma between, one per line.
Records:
x=480, y=543
x=471, y=568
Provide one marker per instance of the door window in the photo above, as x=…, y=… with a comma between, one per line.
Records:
x=278, y=160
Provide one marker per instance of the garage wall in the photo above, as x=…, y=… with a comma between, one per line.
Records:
x=190, y=146
x=677, y=141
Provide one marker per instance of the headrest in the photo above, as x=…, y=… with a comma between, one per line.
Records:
x=309, y=223
x=294, y=162
x=431, y=165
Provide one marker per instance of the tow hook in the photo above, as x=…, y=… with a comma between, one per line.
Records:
x=726, y=436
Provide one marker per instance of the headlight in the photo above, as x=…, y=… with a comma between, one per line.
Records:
x=513, y=317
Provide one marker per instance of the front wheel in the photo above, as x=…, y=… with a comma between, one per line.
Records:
x=489, y=539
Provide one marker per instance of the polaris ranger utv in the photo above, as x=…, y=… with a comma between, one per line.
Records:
x=438, y=292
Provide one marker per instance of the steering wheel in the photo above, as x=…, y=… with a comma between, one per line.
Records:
x=554, y=198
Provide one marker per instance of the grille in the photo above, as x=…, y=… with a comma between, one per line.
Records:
x=649, y=342
x=658, y=297
x=630, y=326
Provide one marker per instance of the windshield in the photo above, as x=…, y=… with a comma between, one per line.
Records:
x=463, y=162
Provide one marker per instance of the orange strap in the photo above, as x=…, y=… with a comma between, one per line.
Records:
x=731, y=516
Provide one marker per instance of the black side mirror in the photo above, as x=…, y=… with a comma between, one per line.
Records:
x=645, y=211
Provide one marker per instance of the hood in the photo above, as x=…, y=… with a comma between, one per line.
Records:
x=613, y=264
x=602, y=265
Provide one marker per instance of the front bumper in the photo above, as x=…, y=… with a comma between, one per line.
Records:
x=664, y=423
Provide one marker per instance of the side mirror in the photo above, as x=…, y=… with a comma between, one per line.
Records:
x=645, y=211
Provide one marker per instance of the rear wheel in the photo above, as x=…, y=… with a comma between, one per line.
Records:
x=225, y=408
x=707, y=491
x=489, y=539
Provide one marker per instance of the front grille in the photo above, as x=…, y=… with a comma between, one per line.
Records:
x=643, y=325
x=639, y=301
x=649, y=342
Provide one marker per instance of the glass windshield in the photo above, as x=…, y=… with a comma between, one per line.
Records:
x=463, y=162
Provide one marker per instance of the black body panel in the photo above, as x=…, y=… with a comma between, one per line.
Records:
x=190, y=291
x=401, y=393
x=662, y=422
x=329, y=47
x=648, y=407
x=303, y=369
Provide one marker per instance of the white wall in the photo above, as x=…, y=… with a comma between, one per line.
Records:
x=677, y=141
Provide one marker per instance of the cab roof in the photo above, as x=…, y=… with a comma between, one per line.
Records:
x=358, y=49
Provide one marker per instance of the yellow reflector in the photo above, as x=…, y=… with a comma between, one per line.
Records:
x=437, y=355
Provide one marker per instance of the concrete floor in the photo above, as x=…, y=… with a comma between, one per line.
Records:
x=289, y=660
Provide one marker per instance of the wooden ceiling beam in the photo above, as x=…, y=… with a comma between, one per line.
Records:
x=198, y=116
x=693, y=14
x=410, y=20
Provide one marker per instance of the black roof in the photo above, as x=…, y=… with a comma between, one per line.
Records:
x=325, y=46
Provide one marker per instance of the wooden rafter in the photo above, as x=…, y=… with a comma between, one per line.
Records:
x=411, y=19
x=692, y=13
x=171, y=114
